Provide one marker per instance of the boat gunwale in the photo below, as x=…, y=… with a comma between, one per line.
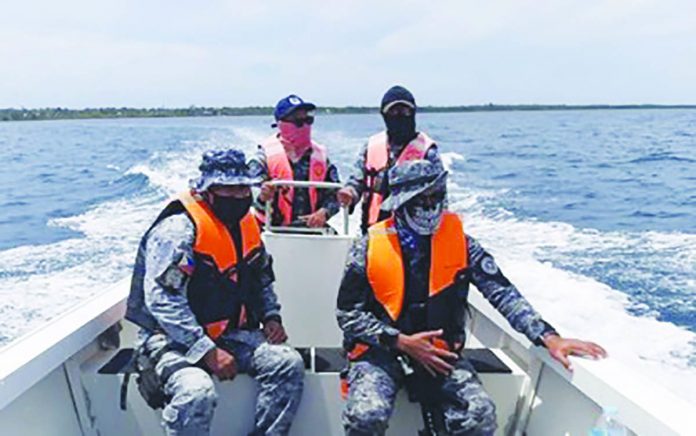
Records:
x=645, y=406
x=29, y=358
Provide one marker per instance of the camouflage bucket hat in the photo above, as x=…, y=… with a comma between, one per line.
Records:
x=411, y=178
x=223, y=167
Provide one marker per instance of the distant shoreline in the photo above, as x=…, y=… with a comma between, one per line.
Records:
x=197, y=111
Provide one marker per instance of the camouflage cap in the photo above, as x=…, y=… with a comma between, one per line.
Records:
x=408, y=179
x=223, y=167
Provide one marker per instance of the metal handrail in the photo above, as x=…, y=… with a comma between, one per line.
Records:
x=302, y=184
x=305, y=184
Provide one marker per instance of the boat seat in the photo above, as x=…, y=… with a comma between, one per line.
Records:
x=324, y=360
x=320, y=409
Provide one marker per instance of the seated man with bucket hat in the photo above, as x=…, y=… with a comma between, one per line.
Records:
x=292, y=154
x=402, y=305
x=202, y=293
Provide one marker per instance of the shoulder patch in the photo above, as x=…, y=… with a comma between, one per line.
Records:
x=489, y=266
x=172, y=279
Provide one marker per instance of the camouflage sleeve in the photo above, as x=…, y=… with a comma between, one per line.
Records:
x=258, y=168
x=257, y=164
x=168, y=264
x=503, y=295
x=356, y=321
x=358, y=178
x=327, y=197
x=433, y=155
x=269, y=305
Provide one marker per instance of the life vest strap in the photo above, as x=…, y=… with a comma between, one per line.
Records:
x=217, y=328
x=358, y=350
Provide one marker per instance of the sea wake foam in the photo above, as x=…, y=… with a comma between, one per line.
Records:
x=580, y=306
x=40, y=281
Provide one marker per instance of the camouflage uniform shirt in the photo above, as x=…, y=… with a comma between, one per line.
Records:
x=361, y=325
x=169, y=261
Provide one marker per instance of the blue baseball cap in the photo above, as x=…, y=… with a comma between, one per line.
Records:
x=290, y=104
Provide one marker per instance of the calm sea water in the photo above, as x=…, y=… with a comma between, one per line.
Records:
x=591, y=213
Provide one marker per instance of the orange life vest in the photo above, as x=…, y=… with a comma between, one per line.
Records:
x=279, y=168
x=377, y=160
x=387, y=277
x=214, y=241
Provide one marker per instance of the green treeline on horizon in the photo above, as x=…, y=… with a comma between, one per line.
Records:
x=11, y=114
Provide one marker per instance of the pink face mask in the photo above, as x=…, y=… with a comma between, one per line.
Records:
x=296, y=140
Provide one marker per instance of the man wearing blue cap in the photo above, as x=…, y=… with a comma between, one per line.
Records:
x=202, y=293
x=291, y=154
x=399, y=143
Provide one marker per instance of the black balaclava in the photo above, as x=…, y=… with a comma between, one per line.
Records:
x=400, y=129
x=231, y=210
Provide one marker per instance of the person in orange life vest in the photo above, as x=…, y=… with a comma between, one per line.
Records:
x=404, y=295
x=291, y=154
x=400, y=142
x=202, y=294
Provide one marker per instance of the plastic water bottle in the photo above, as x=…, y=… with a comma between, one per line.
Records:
x=608, y=425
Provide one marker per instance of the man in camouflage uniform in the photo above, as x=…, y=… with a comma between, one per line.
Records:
x=197, y=319
x=398, y=110
x=294, y=118
x=426, y=328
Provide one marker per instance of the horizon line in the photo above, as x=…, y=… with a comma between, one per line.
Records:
x=352, y=106
x=60, y=113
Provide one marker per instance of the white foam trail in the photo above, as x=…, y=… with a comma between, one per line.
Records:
x=38, y=282
x=50, y=278
x=580, y=306
x=449, y=158
x=248, y=137
x=342, y=149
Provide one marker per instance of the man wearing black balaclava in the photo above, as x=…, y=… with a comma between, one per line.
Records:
x=202, y=294
x=400, y=142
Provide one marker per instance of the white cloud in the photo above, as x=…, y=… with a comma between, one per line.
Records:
x=80, y=53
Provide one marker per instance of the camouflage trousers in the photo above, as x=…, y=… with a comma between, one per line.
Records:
x=277, y=369
x=375, y=380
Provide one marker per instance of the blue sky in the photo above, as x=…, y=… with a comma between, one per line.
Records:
x=79, y=53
